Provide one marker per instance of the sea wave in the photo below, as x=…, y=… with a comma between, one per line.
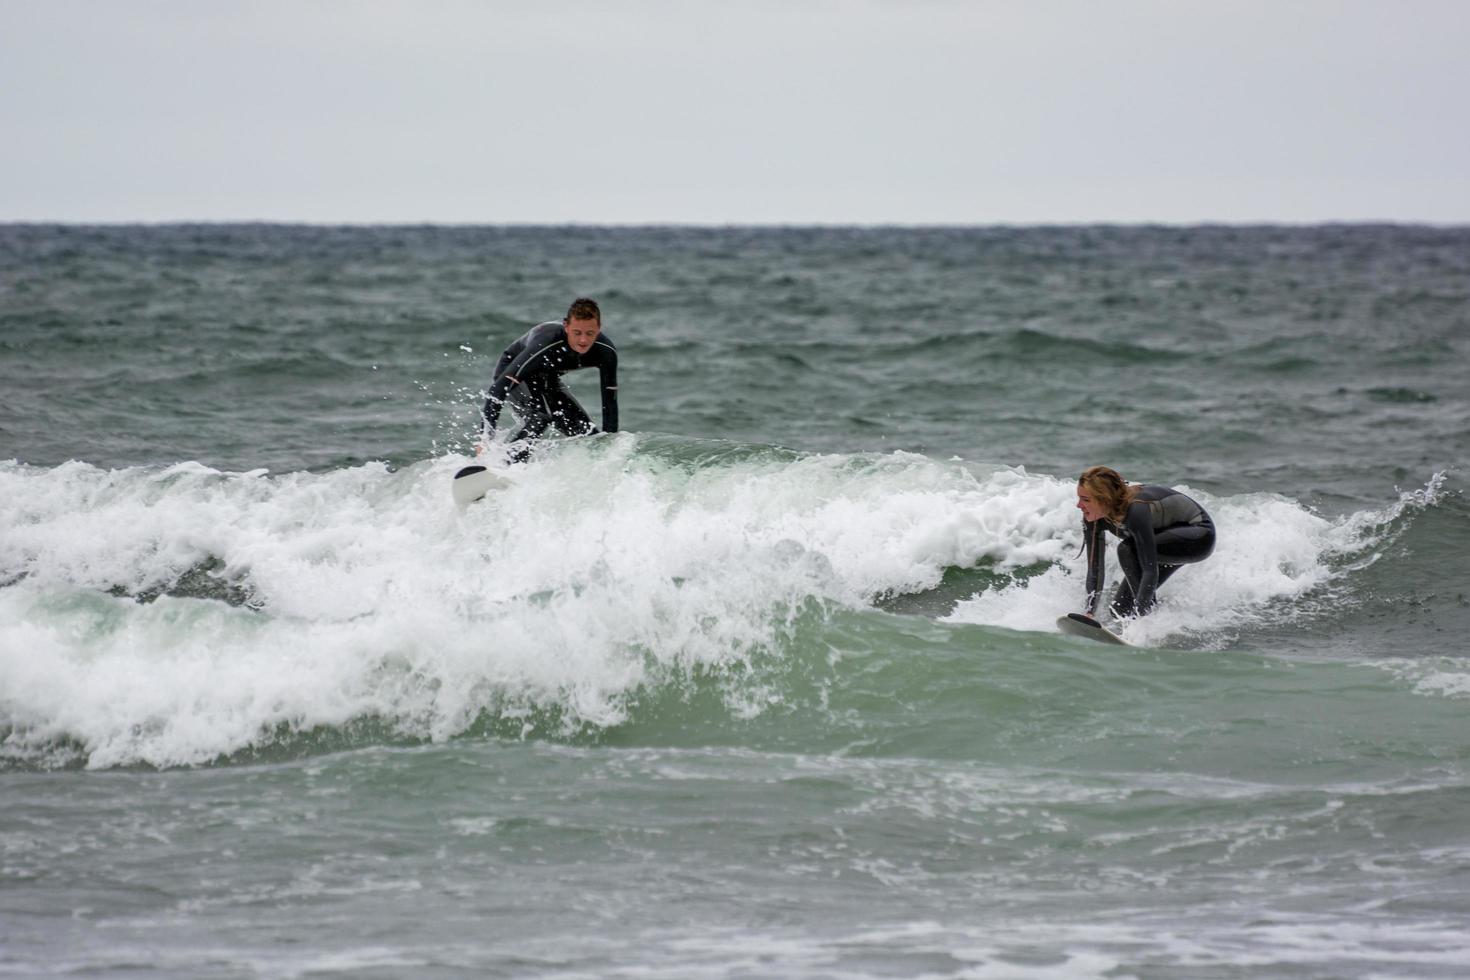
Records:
x=180, y=615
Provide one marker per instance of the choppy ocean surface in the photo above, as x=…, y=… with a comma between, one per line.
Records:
x=766, y=684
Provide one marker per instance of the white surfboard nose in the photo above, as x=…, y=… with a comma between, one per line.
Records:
x=473, y=482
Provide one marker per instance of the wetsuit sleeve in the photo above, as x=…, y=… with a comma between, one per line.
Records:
x=537, y=348
x=495, y=395
x=1140, y=524
x=608, y=374
x=517, y=368
x=1092, y=539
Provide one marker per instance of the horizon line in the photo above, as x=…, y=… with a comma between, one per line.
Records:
x=718, y=225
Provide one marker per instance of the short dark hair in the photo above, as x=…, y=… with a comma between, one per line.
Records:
x=583, y=308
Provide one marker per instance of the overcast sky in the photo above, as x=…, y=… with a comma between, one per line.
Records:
x=742, y=111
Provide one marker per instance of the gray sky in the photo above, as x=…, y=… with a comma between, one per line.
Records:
x=744, y=111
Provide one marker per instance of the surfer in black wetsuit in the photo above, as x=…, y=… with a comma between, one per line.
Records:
x=1161, y=530
x=528, y=376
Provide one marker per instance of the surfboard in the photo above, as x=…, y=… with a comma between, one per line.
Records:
x=473, y=482
x=1076, y=624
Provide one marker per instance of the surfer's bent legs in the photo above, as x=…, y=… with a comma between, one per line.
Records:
x=1186, y=544
x=542, y=403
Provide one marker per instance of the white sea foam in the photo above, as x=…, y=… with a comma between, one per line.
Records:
x=371, y=595
x=1447, y=677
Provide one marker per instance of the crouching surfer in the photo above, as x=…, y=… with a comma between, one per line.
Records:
x=1161, y=530
x=528, y=377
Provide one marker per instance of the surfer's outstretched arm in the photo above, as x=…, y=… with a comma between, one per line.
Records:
x=1096, y=544
x=495, y=394
x=607, y=370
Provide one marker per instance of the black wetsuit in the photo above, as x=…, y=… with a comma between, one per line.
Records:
x=1162, y=530
x=536, y=362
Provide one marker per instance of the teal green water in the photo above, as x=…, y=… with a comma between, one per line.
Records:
x=766, y=684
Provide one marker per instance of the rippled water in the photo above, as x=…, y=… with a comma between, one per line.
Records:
x=767, y=683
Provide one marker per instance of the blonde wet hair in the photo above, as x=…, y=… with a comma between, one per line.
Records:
x=1106, y=486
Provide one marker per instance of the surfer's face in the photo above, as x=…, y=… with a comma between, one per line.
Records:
x=582, y=334
x=1091, y=509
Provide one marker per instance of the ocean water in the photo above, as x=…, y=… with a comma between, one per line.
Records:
x=767, y=684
